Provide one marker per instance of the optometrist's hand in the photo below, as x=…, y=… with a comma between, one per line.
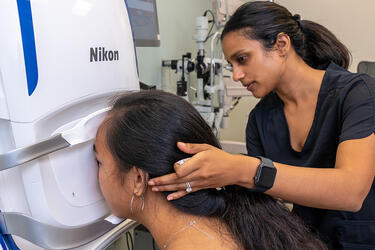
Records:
x=210, y=167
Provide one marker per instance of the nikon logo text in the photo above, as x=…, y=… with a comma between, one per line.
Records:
x=99, y=54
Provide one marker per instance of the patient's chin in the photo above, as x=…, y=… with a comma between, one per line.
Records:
x=120, y=215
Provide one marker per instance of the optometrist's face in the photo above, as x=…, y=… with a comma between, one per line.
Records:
x=113, y=183
x=258, y=70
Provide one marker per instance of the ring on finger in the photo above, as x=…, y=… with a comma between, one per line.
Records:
x=180, y=162
x=188, y=187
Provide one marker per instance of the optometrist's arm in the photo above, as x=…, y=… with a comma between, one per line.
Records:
x=343, y=187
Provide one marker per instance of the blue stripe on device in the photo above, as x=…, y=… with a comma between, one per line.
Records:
x=28, y=42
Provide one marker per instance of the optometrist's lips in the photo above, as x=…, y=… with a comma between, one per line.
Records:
x=249, y=86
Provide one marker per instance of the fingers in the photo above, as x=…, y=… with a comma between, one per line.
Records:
x=181, y=171
x=187, y=168
x=172, y=180
x=164, y=180
x=181, y=193
x=176, y=195
x=192, y=148
x=177, y=187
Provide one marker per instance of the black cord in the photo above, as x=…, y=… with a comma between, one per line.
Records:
x=153, y=244
x=212, y=14
x=129, y=236
x=237, y=100
x=209, y=33
x=234, y=104
x=208, y=37
x=212, y=25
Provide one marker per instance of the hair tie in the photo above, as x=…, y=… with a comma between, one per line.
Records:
x=297, y=18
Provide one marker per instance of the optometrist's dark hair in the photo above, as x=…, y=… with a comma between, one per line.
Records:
x=143, y=129
x=263, y=21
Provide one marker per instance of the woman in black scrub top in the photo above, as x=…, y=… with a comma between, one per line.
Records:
x=313, y=128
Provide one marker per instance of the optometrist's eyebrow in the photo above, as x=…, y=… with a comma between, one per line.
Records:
x=234, y=55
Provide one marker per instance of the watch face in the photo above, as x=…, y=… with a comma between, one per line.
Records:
x=266, y=177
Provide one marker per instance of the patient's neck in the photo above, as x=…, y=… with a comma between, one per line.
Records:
x=163, y=219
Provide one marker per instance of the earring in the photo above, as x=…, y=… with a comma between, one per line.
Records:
x=131, y=203
x=143, y=202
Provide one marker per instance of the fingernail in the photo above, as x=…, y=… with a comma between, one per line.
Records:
x=169, y=198
x=155, y=189
x=151, y=183
x=182, y=144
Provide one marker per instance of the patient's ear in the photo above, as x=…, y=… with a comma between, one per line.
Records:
x=140, y=179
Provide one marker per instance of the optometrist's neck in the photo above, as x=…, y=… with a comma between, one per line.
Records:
x=299, y=83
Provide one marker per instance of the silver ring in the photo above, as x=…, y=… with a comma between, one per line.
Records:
x=188, y=187
x=180, y=162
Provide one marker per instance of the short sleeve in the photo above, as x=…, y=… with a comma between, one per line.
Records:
x=253, y=142
x=358, y=111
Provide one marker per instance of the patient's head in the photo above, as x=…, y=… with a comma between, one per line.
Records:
x=138, y=141
x=139, y=138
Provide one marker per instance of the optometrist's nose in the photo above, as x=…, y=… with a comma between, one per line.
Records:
x=237, y=74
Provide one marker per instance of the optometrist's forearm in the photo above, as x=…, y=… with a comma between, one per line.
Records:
x=343, y=187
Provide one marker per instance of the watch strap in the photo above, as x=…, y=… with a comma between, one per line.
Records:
x=259, y=189
x=265, y=160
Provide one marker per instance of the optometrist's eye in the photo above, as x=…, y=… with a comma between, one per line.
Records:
x=241, y=59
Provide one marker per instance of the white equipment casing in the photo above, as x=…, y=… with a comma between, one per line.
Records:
x=61, y=62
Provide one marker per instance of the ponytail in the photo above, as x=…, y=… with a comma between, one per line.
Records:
x=263, y=21
x=322, y=46
x=259, y=222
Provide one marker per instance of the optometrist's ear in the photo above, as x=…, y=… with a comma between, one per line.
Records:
x=282, y=44
x=140, y=179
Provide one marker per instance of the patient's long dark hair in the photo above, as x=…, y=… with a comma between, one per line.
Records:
x=143, y=130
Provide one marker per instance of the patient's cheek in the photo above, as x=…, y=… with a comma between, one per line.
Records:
x=103, y=178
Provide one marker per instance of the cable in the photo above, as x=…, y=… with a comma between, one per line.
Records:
x=209, y=11
x=215, y=130
x=234, y=104
x=129, y=236
x=209, y=35
x=153, y=244
x=212, y=25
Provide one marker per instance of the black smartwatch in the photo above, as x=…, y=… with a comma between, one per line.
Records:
x=265, y=176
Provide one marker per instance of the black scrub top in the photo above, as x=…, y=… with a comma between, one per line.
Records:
x=345, y=110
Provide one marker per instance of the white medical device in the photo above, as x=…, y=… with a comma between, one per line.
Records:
x=214, y=90
x=60, y=64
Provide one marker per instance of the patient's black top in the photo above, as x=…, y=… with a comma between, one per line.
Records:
x=345, y=110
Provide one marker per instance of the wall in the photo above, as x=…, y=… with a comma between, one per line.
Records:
x=350, y=20
x=238, y=120
x=177, y=27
